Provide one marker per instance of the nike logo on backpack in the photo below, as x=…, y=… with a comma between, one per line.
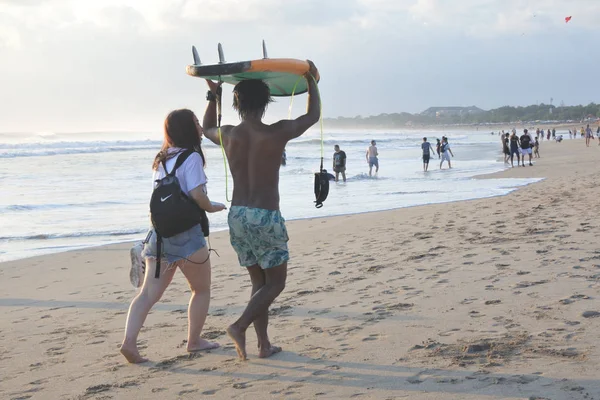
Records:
x=163, y=199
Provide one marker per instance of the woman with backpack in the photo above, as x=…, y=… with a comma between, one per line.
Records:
x=186, y=250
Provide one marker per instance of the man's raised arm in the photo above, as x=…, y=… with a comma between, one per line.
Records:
x=294, y=128
x=209, y=123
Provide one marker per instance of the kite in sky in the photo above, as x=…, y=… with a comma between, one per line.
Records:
x=567, y=19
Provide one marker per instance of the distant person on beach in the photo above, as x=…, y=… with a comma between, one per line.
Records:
x=553, y=133
x=186, y=251
x=582, y=132
x=284, y=158
x=588, y=135
x=570, y=134
x=525, y=146
x=505, y=148
x=536, y=148
x=446, y=152
x=598, y=134
x=438, y=147
x=426, y=147
x=514, y=149
x=372, y=159
x=339, y=163
x=257, y=229
x=548, y=135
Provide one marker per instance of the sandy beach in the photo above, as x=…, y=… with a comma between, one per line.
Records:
x=486, y=299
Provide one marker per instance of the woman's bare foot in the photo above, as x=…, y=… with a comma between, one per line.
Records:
x=269, y=351
x=239, y=339
x=132, y=354
x=201, y=345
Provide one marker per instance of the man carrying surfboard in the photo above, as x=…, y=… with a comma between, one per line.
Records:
x=256, y=228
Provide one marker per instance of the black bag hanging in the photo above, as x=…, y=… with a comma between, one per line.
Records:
x=321, y=186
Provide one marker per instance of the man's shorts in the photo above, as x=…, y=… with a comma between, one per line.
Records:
x=425, y=158
x=526, y=151
x=339, y=169
x=373, y=161
x=446, y=156
x=514, y=151
x=258, y=236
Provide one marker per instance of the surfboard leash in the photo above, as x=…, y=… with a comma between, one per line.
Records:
x=219, y=115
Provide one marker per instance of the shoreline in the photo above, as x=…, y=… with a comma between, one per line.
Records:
x=479, y=299
x=220, y=231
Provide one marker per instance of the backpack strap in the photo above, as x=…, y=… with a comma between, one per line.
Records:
x=158, y=254
x=181, y=157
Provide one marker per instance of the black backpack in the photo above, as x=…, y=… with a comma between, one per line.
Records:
x=171, y=211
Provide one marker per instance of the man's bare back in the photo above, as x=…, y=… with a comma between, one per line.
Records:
x=254, y=151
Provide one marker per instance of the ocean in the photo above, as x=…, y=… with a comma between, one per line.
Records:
x=73, y=190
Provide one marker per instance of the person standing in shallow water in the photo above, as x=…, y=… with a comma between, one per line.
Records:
x=372, y=159
x=438, y=146
x=187, y=250
x=426, y=147
x=256, y=227
x=446, y=152
x=339, y=163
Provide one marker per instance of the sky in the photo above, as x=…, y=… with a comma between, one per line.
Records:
x=79, y=65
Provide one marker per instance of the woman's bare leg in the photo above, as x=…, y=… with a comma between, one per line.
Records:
x=151, y=292
x=197, y=273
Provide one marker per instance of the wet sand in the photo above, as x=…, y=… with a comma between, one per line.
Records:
x=486, y=299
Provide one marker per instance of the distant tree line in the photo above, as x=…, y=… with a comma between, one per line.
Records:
x=506, y=114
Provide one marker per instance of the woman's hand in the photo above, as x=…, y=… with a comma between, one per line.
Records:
x=216, y=207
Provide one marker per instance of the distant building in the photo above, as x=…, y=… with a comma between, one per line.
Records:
x=451, y=111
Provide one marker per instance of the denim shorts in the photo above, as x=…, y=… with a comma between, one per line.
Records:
x=177, y=247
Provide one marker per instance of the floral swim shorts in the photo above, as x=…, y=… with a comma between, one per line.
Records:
x=258, y=236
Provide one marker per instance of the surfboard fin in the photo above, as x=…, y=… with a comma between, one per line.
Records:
x=221, y=55
x=196, y=56
x=265, y=56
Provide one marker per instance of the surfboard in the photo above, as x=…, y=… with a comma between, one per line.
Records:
x=282, y=75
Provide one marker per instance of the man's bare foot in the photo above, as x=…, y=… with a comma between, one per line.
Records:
x=269, y=351
x=201, y=345
x=132, y=355
x=239, y=339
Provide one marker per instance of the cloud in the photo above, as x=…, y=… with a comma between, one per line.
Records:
x=82, y=64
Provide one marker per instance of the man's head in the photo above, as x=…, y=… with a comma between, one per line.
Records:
x=251, y=98
x=373, y=143
x=424, y=139
x=525, y=131
x=336, y=147
x=445, y=139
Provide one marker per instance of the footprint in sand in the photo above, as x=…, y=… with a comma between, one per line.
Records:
x=449, y=332
x=369, y=338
